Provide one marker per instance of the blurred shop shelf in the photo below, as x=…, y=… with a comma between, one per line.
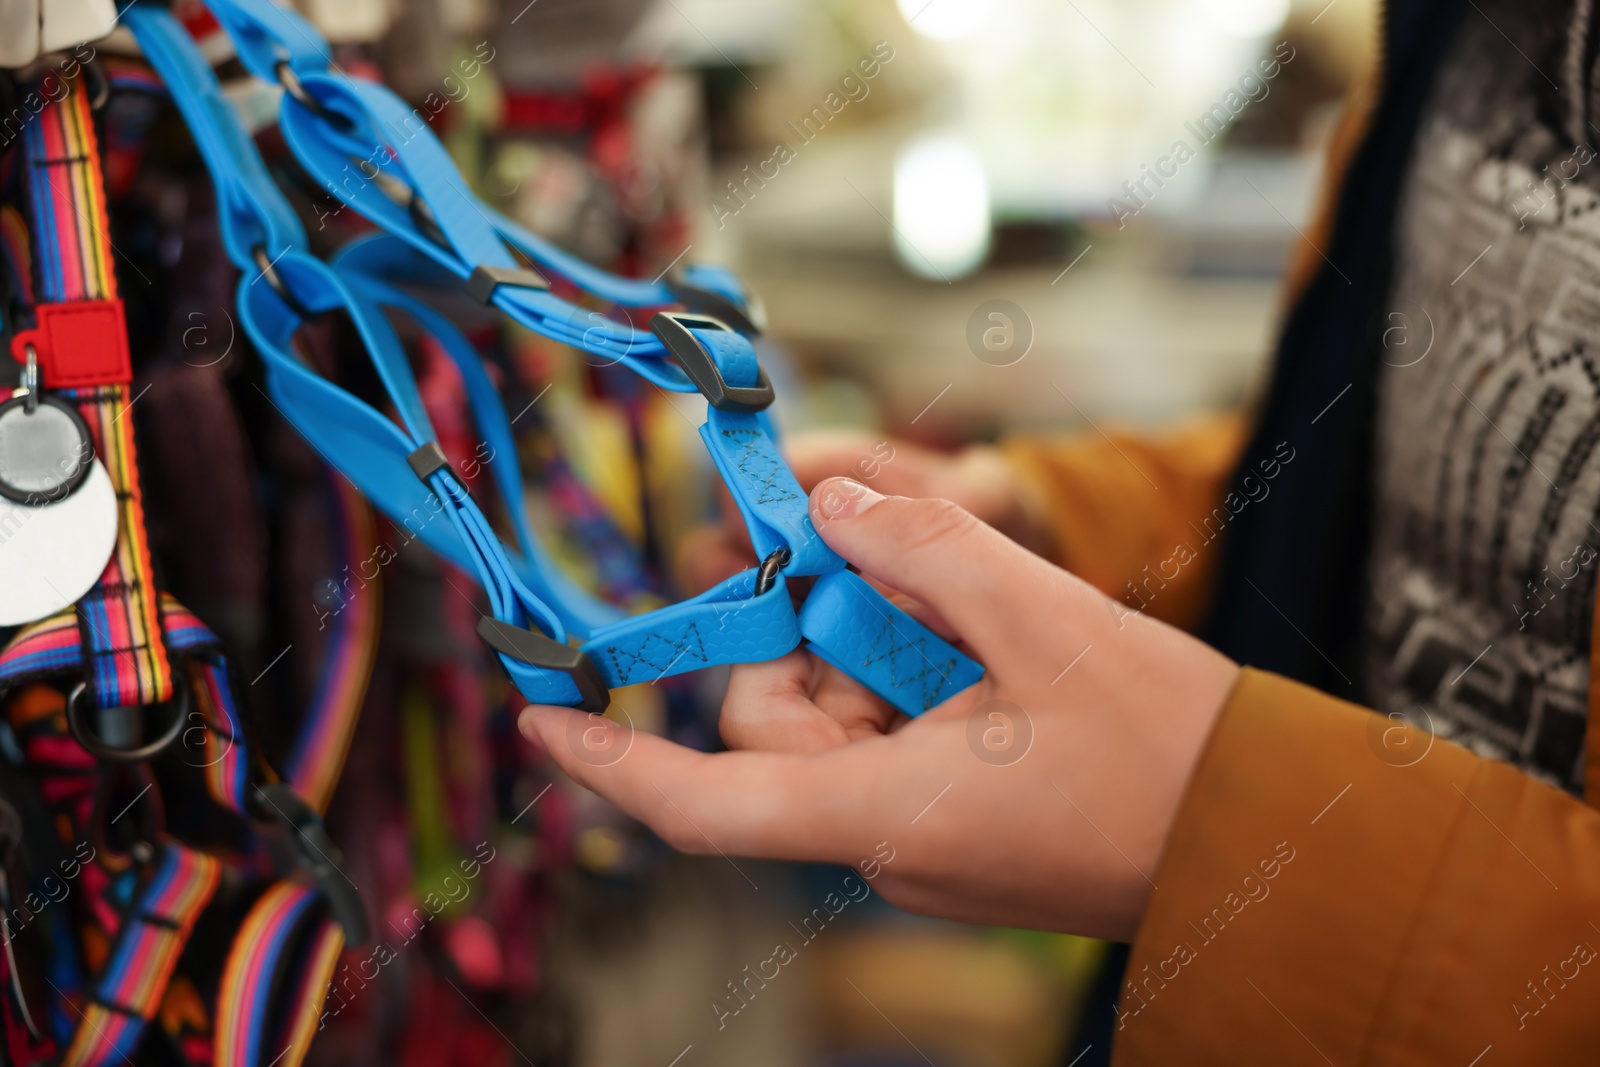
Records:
x=1114, y=339
x=1172, y=316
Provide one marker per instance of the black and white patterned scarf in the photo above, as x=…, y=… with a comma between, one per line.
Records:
x=1487, y=517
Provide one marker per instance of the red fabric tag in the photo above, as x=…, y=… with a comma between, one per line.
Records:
x=80, y=343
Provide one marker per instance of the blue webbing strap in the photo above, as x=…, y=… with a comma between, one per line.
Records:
x=580, y=610
x=400, y=468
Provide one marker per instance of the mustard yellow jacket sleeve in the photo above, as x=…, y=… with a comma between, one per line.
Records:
x=1339, y=889
x=1114, y=505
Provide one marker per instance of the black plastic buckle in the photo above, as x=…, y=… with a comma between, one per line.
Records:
x=483, y=281
x=706, y=302
x=315, y=852
x=673, y=327
x=537, y=650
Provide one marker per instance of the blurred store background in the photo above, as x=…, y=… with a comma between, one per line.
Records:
x=964, y=218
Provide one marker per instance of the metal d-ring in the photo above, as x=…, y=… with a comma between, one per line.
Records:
x=767, y=576
x=110, y=753
x=290, y=80
x=426, y=221
x=99, y=85
x=269, y=273
x=274, y=280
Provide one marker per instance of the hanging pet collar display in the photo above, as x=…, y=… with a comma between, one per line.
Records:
x=109, y=671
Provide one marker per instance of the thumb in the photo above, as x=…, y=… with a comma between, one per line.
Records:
x=980, y=581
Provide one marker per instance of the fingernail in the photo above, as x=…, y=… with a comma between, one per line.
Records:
x=841, y=498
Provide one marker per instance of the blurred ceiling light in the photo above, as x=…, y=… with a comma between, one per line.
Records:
x=1247, y=18
x=944, y=19
x=941, y=209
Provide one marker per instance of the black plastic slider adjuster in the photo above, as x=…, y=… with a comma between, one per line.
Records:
x=427, y=460
x=483, y=281
x=537, y=650
x=673, y=329
x=707, y=302
x=313, y=850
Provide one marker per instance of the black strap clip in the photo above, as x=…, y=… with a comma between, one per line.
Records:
x=483, y=281
x=537, y=650
x=673, y=328
x=428, y=460
x=313, y=851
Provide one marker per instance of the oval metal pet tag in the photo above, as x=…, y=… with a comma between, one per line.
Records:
x=45, y=450
x=52, y=555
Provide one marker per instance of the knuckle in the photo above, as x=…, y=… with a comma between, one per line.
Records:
x=940, y=521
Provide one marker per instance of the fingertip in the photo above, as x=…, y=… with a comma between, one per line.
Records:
x=539, y=722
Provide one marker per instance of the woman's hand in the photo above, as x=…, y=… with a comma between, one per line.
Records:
x=1039, y=797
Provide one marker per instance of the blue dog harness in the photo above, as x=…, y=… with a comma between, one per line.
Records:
x=363, y=145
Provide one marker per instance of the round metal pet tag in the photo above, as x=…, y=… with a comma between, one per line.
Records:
x=52, y=555
x=45, y=450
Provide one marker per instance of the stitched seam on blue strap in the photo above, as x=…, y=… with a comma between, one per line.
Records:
x=690, y=644
x=930, y=672
x=771, y=470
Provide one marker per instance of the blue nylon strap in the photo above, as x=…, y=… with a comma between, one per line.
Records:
x=265, y=33
x=745, y=450
x=728, y=624
x=247, y=223
x=772, y=503
x=366, y=445
x=580, y=611
x=733, y=354
x=718, y=280
x=371, y=449
x=629, y=292
x=387, y=137
x=855, y=628
x=387, y=141
x=351, y=435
